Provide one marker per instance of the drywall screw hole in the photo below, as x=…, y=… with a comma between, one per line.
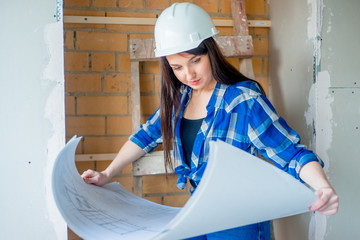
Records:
x=29, y=162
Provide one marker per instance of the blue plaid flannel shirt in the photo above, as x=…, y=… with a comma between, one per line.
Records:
x=240, y=115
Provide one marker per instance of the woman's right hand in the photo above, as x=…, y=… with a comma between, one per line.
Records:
x=94, y=177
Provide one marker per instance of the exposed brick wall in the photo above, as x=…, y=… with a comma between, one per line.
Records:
x=97, y=79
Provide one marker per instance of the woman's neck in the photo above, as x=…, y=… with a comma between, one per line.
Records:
x=196, y=107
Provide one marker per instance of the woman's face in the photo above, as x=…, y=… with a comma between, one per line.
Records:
x=192, y=70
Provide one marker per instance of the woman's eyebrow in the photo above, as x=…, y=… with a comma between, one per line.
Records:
x=174, y=64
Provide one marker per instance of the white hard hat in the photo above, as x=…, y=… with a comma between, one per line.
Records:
x=182, y=27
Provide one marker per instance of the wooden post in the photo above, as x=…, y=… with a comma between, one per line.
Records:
x=135, y=94
x=241, y=28
x=135, y=111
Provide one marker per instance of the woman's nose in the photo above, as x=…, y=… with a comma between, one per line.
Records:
x=190, y=73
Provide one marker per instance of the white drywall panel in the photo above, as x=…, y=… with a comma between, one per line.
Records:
x=291, y=77
x=32, y=117
x=340, y=42
x=338, y=117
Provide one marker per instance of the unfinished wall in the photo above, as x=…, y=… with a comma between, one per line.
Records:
x=314, y=85
x=32, y=117
x=338, y=118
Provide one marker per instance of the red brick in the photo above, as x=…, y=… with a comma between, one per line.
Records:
x=100, y=41
x=255, y=7
x=150, y=67
x=80, y=12
x=104, y=3
x=149, y=104
x=76, y=3
x=160, y=184
x=119, y=125
x=257, y=65
x=131, y=4
x=69, y=105
x=76, y=61
x=224, y=31
x=157, y=83
x=124, y=63
x=210, y=6
x=85, y=126
x=156, y=4
x=261, y=46
x=102, y=165
x=126, y=182
x=72, y=235
x=176, y=200
x=225, y=6
x=142, y=36
x=83, y=166
x=234, y=61
x=266, y=65
x=131, y=14
x=264, y=82
x=103, y=144
x=117, y=83
x=68, y=40
x=261, y=31
x=147, y=83
x=103, y=62
x=155, y=199
x=98, y=105
x=88, y=82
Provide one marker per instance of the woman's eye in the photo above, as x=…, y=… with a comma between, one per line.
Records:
x=176, y=68
x=196, y=60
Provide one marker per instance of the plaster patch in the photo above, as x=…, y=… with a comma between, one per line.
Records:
x=323, y=127
x=324, y=123
x=55, y=113
x=317, y=227
x=311, y=21
x=310, y=114
x=331, y=14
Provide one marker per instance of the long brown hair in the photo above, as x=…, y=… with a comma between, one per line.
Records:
x=170, y=107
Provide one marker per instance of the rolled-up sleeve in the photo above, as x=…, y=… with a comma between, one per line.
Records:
x=275, y=140
x=148, y=135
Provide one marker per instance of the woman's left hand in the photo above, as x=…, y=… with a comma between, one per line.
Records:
x=327, y=202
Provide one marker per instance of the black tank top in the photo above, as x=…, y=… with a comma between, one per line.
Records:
x=188, y=131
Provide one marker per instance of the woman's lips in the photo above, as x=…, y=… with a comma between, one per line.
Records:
x=196, y=82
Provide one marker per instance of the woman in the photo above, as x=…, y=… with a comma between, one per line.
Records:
x=205, y=98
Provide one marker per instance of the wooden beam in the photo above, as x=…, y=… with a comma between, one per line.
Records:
x=231, y=46
x=95, y=157
x=152, y=21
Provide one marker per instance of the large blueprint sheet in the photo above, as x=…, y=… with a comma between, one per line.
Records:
x=237, y=189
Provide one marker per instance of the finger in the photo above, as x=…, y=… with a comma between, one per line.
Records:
x=331, y=211
x=332, y=205
x=327, y=203
x=317, y=205
x=320, y=202
x=88, y=173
